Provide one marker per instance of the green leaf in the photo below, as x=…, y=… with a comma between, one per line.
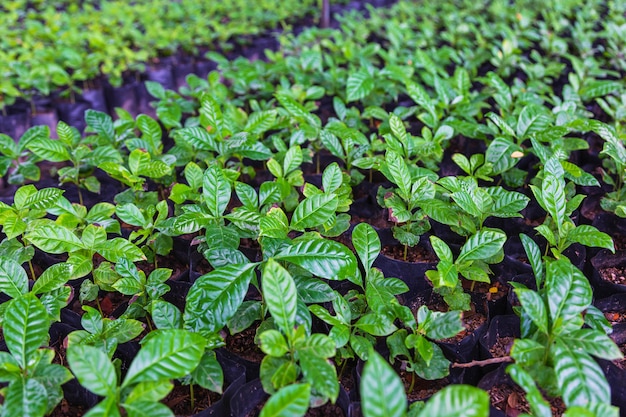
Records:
x=149, y=391
x=321, y=375
x=216, y=190
x=538, y=404
x=168, y=354
x=314, y=211
x=532, y=119
x=48, y=149
x=13, y=278
x=400, y=174
x=579, y=377
x=208, y=374
x=420, y=97
x=590, y=236
x=247, y=313
x=93, y=369
x=499, y=154
x=568, y=292
x=366, y=244
x=323, y=258
x=382, y=392
x=119, y=248
x=215, y=297
x=359, y=85
x=101, y=123
x=290, y=401
x=332, y=178
x=54, y=239
x=458, y=400
x=438, y=325
x=166, y=315
x=482, y=245
x=25, y=327
x=273, y=343
x=533, y=252
x=442, y=250
x=52, y=278
x=593, y=342
x=147, y=409
x=280, y=295
x=25, y=398
x=553, y=193
x=131, y=214
x=533, y=305
x=43, y=199
x=106, y=408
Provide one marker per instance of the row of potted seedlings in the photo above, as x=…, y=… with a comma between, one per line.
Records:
x=224, y=246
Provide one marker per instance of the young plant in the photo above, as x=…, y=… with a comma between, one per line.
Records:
x=34, y=382
x=16, y=160
x=560, y=331
x=383, y=395
x=559, y=201
x=293, y=353
x=164, y=355
x=103, y=333
x=405, y=202
x=481, y=249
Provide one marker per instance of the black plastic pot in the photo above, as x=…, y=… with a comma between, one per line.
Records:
x=96, y=99
x=499, y=327
x=607, y=263
x=123, y=97
x=247, y=398
x=73, y=113
x=15, y=122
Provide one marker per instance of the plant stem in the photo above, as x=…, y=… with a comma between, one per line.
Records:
x=412, y=382
x=32, y=270
x=406, y=251
x=484, y=362
x=192, y=398
x=98, y=304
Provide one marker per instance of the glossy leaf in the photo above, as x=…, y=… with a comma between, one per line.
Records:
x=314, y=211
x=366, y=244
x=13, y=278
x=579, y=377
x=482, y=245
x=93, y=369
x=359, y=85
x=290, y=401
x=458, y=400
x=166, y=355
x=533, y=252
x=321, y=375
x=216, y=190
x=25, y=327
x=382, y=392
x=280, y=295
x=533, y=305
x=54, y=239
x=323, y=258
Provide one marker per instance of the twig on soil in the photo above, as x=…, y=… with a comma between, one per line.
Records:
x=483, y=362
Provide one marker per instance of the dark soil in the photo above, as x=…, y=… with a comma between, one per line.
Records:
x=179, y=399
x=502, y=347
x=414, y=254
x=423, y=388
x=64, y=409
x=494, y=291
x=616, y=275
x=242, y=344
x=512, y=401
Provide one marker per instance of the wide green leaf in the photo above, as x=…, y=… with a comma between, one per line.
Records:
x=168, y=354
x=52, y=278
x=93, y=369
x=290, y=401
x=359, y=85
x=25, y=327
x=314, y=211
x=579, y=377
x=568, y=292
x=25, y=398
x=147, y=409
x=593, y=342
x=482, y=245
x=216, y=190
x=533, y=252
x=532, y=119
x=590, y=236
x=553, y=195
x=101, y=123
x=215, y=297
x=382, y=392
x=54, y=239
x=280, y=295
x=321, y=375
x=321, y=257
x=208, y=374
x=458, y=400
x=13, y=278
x=538, y=404
x=119, y=248
x=533, y=305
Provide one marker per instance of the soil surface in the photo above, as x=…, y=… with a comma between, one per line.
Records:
x=64, y=409
x=179, y=399
x=502, y=347
x=414, y=254
x=423, y=388
x=512, y=401
x=616, y=275
x=242, y=344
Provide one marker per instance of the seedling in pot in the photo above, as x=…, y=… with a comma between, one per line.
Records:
x=555, y=350
x=34, y=382
x=383, y=395
x=481, y=249
x=164, y=355
x=16, y=160
x=559, y=201
x=361, y=317
x=414, y=189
